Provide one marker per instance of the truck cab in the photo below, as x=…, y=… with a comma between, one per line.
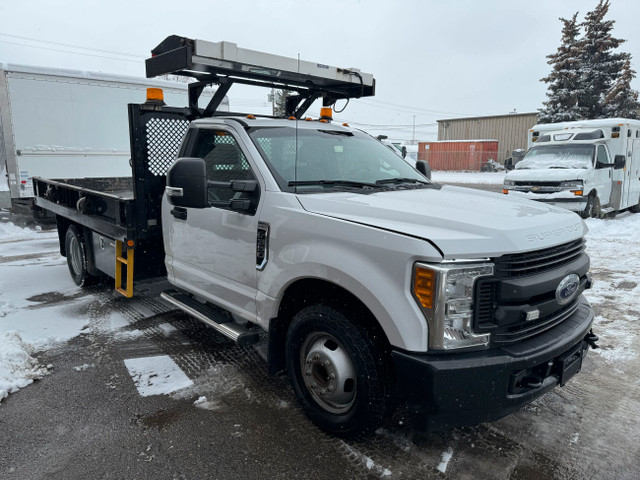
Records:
x=591, y=167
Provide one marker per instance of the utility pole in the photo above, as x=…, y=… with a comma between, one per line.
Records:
x=413, y=136
x=272, y=99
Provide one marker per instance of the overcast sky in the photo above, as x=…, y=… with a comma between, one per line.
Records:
x=431, y=59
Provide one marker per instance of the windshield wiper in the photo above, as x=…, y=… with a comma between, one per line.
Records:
x=397, y=180
x=335, y=183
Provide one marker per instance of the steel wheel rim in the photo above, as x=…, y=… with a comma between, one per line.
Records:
x=76, y=255
x=328, y=372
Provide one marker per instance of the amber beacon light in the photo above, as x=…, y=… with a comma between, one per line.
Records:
x=155, y=95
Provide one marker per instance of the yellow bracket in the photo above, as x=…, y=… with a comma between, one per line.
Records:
x=128, y=263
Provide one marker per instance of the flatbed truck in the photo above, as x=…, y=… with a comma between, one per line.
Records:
x=370, y=282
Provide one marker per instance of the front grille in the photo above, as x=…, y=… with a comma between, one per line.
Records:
x=522, y=331
x=485, y=297
x=530, y=263
x=488, y=297
x=536, y=184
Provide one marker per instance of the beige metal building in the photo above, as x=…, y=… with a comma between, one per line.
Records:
x=510, y=130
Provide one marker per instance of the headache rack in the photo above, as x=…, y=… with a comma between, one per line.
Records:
x=224, y=63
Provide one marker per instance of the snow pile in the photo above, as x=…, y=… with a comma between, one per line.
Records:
x=17, y=368
x=205, y=404
x=614, y=248
x=32, y=317
x=10, y=233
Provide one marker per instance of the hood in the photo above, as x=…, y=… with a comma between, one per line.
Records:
x=548, y=174
x=461, y=222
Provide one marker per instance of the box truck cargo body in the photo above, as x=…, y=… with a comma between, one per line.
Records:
x=66, y=124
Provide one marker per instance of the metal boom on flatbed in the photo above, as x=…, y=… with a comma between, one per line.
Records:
x=224, y=63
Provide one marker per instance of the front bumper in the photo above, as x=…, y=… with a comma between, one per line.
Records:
x=451, y=390
x=577, y=204
x=562, y=199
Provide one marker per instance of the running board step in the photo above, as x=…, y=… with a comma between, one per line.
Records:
x=215, y=319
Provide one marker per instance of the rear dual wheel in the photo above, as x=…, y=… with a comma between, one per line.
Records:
x=76, y=250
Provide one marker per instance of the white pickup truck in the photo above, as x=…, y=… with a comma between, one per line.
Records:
x=369, y=282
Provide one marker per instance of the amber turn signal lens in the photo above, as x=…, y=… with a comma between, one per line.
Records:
x=424, y=286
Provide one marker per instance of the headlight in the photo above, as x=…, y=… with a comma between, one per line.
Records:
x=572, y=185
x=509, y=183
x=445, y=295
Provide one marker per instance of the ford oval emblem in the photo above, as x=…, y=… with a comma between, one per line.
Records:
x=567, y=288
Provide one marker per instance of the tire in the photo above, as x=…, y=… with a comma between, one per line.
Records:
x=592, y=208
x=340, y=374
x=636, y=207
x=77, y=257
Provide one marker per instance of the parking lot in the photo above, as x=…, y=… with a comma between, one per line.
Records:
x=134, y=389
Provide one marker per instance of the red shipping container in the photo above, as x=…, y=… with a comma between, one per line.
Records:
x=458, y=154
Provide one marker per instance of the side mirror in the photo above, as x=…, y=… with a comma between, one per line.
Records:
x=619, y=162
x=424, y=168
x=187, y=183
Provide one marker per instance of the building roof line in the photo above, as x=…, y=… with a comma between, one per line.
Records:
x=486, y=117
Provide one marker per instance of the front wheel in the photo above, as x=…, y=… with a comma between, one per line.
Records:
x=592, y=209
x=339, y=371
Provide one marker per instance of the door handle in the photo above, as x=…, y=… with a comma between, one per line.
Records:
x=174, y=191
x=179, y=212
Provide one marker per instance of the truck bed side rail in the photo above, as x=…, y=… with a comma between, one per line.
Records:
x=104, y=205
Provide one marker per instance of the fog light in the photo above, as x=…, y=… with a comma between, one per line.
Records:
x=531, y=314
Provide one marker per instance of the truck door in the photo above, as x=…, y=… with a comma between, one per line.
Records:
x=602, y=176
x=633, y=170
x=214, y=249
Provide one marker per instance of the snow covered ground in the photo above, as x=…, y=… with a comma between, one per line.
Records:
x=40, y=307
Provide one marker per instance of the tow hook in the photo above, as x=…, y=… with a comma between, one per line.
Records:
x=591, y=338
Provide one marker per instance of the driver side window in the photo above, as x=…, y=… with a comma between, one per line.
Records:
x=224, y=160
x=602, y=157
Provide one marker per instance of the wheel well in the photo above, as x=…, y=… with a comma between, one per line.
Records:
x=63, y=225
x=310, y=292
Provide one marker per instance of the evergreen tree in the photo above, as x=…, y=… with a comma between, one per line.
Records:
x=564, y=79
x=600, y=65
x=280, y=102
x=589, y=78
x=622, y=100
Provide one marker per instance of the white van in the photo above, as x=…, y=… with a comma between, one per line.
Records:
x=589, y=166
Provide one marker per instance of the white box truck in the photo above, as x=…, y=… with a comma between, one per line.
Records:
x=591, y=167
x=368, y=282
x=66, y=124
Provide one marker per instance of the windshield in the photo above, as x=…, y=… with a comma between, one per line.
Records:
x=558, y=156
x=310, y=159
